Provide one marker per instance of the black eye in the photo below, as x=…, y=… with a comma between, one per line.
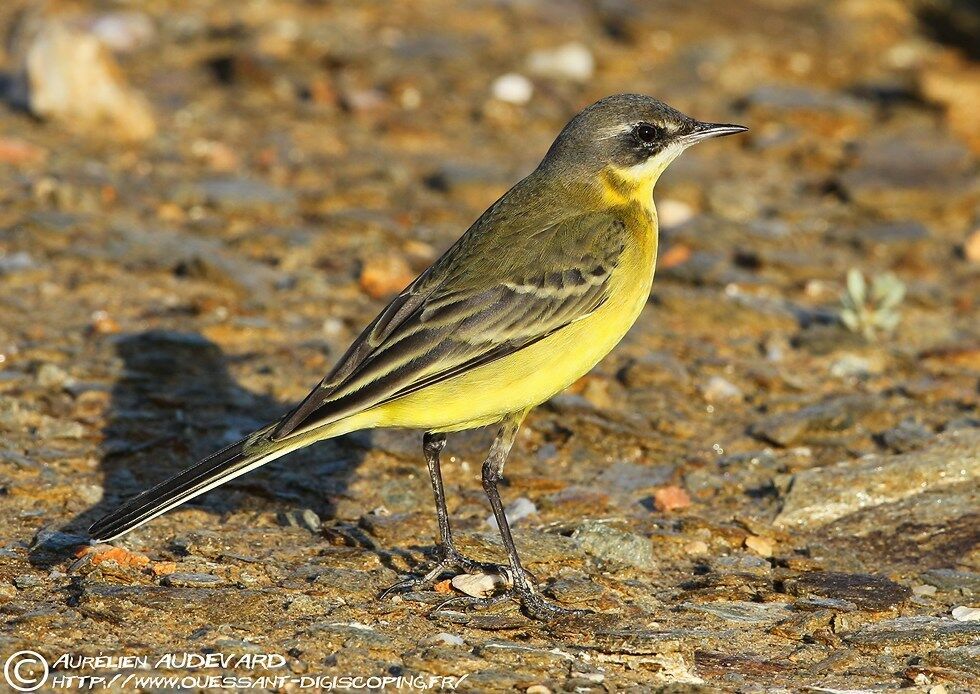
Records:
x=647, y=133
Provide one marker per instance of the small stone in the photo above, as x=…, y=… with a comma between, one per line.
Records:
x=478, y=585
x=572, y=61
x=16, y=151
x=72, y=78
x=27, y=581
x=971, y=248
x=123, y=31
x=853, y=366
x=190, y=580
x=719, y=389
x=966, y=614
x=537, y=689
x=301, y=518
x=15, y=262
x=907, y=436
x=512, y=88
x=103, y=324
x=671, y=498
x=611, y=544
x=445, y=639
x=519, y=508
x=52, y=376
x=673, y=213
x=385, y=275
x=697, y=548
x=937, y=689
x=924, y=591
x=763, y=546
x=97, y=554
x=677, y=254
x=874, y=593
x=163, y=568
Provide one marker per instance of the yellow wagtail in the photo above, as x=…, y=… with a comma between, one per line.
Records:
x=542, y=286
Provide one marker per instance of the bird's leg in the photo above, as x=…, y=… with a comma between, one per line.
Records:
x=521, y=587
x=448, y=558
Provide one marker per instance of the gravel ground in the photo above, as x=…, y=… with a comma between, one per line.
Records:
x=749, y=493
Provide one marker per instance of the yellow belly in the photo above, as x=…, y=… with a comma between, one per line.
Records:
x=536, y=373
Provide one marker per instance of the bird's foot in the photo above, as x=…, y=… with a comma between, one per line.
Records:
x=523, y=592
x=448, y=561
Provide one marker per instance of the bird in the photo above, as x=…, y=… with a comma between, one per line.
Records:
x=529, y=299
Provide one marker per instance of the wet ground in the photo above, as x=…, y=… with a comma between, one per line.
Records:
x=751, y=494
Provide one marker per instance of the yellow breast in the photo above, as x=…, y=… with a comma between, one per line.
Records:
x=538, y=372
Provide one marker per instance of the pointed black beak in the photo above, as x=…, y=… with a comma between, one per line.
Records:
x=705, y=131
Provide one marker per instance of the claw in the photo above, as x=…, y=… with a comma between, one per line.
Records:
x=532, y=604
x=448, y=560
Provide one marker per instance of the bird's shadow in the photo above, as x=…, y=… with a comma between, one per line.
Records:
x=176, y=401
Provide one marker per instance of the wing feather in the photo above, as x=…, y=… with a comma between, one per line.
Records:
x=460, y=314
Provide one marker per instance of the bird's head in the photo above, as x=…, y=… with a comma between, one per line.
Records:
x=626, y=141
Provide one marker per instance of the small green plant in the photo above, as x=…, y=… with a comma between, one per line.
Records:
x=869, y=312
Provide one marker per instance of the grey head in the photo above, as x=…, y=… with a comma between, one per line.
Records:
x=632, y=134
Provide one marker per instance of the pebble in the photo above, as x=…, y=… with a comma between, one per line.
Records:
x=445, y=639
x=512, y=88
x=611, y=544
x=853, y=366
x=963, y=613
x=519, y=508
x=479, y=585
x=719, y=389
x=52, y=376
x=924, y=590
x=763, y=546
x=123, y=31
x=72, y=78
x=671, y=498
x=572, y=61
x=868, y=592
x=190, y=580
x=15, y=262
x=971, y=248
x=673, y=213
x=537, y=689
x=16, y=151
x=304, y=518
x=385, y=275
x=907, y=436
x=696, y=548
x=27, y=581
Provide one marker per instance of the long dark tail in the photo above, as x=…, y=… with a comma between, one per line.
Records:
x=254, y=450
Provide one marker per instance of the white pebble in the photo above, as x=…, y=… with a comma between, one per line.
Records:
x=478, y=585
x=719, y=389
x=966, y=614
x=673, y=213
x=512, y=88
x=447, y=639
x=572, y=61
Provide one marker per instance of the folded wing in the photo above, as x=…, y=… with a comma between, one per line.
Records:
x=489, y=296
